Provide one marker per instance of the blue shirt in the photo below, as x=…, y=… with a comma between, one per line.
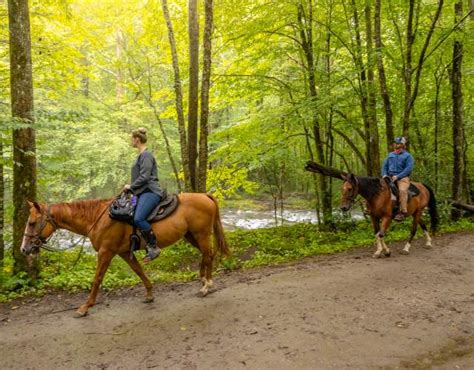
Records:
x=398, y=164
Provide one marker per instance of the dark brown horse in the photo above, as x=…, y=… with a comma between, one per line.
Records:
x=196, y=219
x=377, y=193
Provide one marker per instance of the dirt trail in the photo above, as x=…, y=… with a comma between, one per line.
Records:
x=330, y=312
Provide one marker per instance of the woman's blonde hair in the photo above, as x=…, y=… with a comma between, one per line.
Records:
x=141, y=134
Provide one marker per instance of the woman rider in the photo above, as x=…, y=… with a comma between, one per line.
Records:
x=146, y=187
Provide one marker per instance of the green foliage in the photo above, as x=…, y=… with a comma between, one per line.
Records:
x=63, y=271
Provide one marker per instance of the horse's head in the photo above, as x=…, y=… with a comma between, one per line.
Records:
x=350, y=189
x=39, y=228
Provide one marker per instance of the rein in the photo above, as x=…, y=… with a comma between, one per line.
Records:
x=39, y=242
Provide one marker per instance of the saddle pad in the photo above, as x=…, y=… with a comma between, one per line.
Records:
x=413, y=190
x=166, y=207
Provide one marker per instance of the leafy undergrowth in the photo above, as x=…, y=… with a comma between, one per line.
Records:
x=65, y=271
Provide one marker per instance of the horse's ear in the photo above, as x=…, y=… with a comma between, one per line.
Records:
x=344, y=177
x=351, y=178
x=34, y=204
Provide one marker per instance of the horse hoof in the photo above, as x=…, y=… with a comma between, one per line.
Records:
x=387, y=254
x=428, y=246
x=376, y=255
x=148, y=299
x=80, y=314
x=203, y=292
x=404, y=252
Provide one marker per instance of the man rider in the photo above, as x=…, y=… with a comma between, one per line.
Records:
x=398, y=166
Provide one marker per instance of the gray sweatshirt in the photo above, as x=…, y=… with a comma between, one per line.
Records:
x=145, y=175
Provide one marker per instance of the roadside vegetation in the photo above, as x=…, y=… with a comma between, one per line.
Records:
x=73, y=270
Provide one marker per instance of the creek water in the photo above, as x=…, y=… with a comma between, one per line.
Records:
x=232, y=219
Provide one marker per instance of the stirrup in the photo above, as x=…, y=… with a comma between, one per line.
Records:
x=152, y=254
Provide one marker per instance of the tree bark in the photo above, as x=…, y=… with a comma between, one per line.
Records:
x=24, y=156
x=366, y=93
x=179, y=98
x=411, y=86
x=458, y=119
x=193, y=103
x=305, y=23
x=463, y=206
x=371, y=99
x=205, y=87
x=382, y=78
x=325, y=170
x=2, y=208
x=119, y=90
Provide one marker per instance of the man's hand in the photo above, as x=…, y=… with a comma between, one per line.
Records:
x=394, y=178
x=126, y=188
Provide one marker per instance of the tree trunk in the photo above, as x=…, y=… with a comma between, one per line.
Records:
x=205, y=87
x=119, y=40
x=179, y=98
x=366, y=93
x=325, y=170
x=458, y=119
x=411, y=86
x=2, y=208
x=463, y=206
x=371, y=100
x=193, y=29
x=382, y=79
x=306, y=36
x=24, y=156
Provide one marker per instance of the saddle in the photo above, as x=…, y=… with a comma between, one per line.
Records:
x=166, y=207
x=413, y=191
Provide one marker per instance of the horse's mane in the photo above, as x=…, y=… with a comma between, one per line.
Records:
x=369, y=187
x=85, y=208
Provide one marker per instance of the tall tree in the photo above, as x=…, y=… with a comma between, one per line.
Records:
x=2, y=206
x=24, y=157
x=305, y=27
x=382, y=78
x=412, y=73
x=366, y=88
x=193, y=102
x=459, y=149
x=205, y=87
x=179, y=97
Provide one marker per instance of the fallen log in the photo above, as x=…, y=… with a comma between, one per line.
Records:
x=324, y=170
x=464, y=206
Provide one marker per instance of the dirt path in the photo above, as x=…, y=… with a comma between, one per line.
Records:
x=333, y=312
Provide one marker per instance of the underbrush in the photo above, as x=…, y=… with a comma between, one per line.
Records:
x=73, y=270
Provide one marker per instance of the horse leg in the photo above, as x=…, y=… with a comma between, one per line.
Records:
x=428, y=244
x=414, y=226
x=380, y=238
x=204, y=243
x=135, y=266
x=104, y=257
x=378, y=245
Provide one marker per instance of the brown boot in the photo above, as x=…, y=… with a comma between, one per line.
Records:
x=151, y=247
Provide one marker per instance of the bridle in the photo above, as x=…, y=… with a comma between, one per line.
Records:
x=36, y=239
x=39, y=242
x=354, y=192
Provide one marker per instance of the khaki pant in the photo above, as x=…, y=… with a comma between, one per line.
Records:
x=403, y=186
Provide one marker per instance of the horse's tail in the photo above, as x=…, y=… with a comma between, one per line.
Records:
x=433, y=210
x=219, y=237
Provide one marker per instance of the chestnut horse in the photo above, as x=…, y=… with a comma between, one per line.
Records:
x=377, y=193
x=196, y=219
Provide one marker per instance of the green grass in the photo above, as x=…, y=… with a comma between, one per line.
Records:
x=63, y=271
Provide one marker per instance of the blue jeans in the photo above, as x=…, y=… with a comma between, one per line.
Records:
x=145, y=204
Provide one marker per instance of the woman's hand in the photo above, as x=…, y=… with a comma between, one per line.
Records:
x=126, y=188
